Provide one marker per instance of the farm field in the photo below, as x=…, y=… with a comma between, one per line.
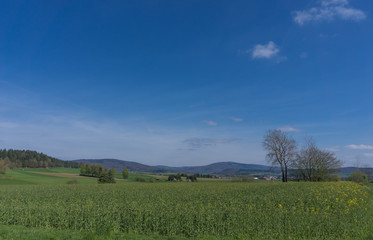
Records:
x=209, y=210
x=56, y=175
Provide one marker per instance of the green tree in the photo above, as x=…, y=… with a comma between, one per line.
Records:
x=112, y=175
x=191, y=178
x=178, y=177
x=125, y=173
x=99, y=168
x=3, y=167
x=104, y=177
x=26, y=158
x=107, y=176
x=173, y=177
x=83, y=169
x=94, y=172
x=88, y=170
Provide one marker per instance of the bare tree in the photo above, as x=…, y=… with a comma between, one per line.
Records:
x=314, y=164
x=362, y=168
x=281, y=150
x=4, y=165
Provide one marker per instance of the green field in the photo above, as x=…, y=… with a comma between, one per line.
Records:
x=39, y=176
x=46, y=207
x=29, y=176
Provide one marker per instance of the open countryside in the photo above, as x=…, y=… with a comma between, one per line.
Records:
x=60, y=202
x=186, y=120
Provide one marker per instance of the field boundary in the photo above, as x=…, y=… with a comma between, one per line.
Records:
x=65, y=175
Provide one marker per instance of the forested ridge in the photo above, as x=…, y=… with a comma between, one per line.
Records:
x=32, y=159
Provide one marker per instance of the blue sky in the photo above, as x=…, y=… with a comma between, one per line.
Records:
x=185, y=82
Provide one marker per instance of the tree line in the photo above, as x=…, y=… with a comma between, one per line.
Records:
x=177, y=177
x=104, y=175
x=31, y=159
x=200, y=175
x=309, y=164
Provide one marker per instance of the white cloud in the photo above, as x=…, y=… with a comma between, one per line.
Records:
x=368, y=154
x=327, y=11
x=267, y=51
x=333, y=2
x=361, y=146
x=288, y=129
x=210, y=123
x=237, y=119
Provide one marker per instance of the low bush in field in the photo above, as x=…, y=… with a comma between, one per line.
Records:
x=243, y=179
x=140, y=179
x=72, y=181
x=266, y=210
x=359, y=177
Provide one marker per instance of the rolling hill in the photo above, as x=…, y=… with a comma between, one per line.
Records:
x=119, y=165
x=220, y=168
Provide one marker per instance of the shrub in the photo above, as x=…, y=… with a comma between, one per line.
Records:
x=358, y=177
x=243, y=179
x=125, y=173
x=332, y=178
x=140, y=179
x=152, y=179
x=173, y=177
x=107, y=176
x=72, y=181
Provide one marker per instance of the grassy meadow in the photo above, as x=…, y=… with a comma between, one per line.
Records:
x=48, y=208
x=57, y=175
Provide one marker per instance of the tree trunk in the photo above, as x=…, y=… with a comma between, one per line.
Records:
x=283, y=173
x=286, y=173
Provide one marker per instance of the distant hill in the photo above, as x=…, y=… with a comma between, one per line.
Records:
x=225, y=168
x=119, y=165
x=32, y=159
x=220, y=168
x=349, y=170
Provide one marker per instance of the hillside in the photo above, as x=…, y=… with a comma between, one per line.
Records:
x=32, y=159
x=349, y=170
x=225, y=168
x=220, y=168
x=119, y=165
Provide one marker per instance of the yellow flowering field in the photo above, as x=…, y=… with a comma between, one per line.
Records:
x=339, y=210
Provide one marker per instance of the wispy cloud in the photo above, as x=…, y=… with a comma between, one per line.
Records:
x=128, y=140
x=210, y=123
x=236, y=119
x=303, y=55
x=329, y=10
x=266, y=51
x=288, y=129
x=368, y=154
x=196, y=143
x=8, y=125
x=28, y=123
x=360, y=147
x=333, y=149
